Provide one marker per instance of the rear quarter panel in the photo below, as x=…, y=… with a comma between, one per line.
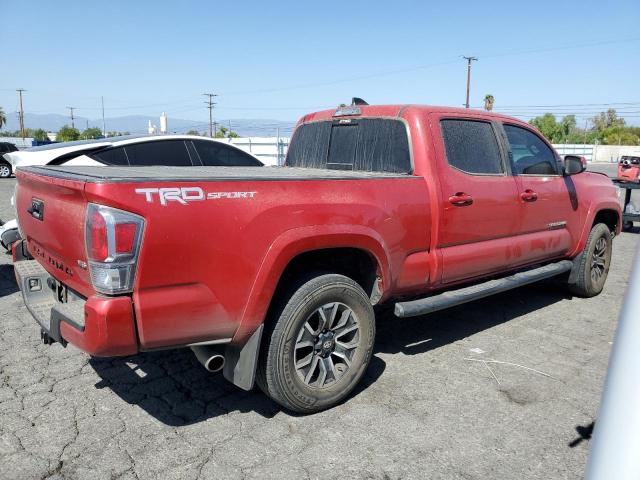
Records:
x=208, y=266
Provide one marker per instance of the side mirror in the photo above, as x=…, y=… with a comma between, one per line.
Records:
x=573, y=165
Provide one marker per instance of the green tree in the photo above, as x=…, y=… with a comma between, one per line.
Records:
x=91, y=133
x=226, y=133
x=40, y=135
x=619, y=135
x=489, y=100
x=193, y=132
x=67, y=134
x=3, y=118
x=547, y=125
x=607, y=119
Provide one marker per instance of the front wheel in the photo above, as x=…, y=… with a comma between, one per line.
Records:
x=5, y=170
x=319, y=345
x=593, y=268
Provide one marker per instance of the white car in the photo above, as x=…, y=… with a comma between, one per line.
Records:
x=169, y=150
x=147, y=150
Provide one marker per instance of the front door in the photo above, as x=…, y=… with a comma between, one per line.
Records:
x=479, y=206
x=548, y=200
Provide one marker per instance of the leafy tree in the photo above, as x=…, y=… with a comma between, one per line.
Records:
x=91, y=133
x=67, y=134
x=607, y=119
x=619, y=135
x=489, y=100
x=547, y=125
x=3, y=118
x=40, y=135
x=226, y=133
x=193, y=132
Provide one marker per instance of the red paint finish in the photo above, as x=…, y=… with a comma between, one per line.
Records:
x=629, y=169
x=109, y=328
x=208, y=270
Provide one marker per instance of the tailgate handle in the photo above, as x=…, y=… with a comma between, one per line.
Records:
x=36, y=210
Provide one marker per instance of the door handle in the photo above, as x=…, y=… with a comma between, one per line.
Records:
x=529, y=195
x=461, y=199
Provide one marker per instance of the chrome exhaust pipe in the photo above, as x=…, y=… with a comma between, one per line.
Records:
x=210, y=357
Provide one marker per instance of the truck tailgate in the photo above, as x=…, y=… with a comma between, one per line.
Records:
x=51, y=213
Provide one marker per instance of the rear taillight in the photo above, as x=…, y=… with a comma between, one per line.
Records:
x=113, y=240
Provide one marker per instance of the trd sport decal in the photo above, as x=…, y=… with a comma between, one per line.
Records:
x=185, y=195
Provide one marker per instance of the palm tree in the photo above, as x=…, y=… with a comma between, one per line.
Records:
x=488, y=102
x=3, y=118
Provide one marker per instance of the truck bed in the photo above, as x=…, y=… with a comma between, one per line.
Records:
x=103, y=174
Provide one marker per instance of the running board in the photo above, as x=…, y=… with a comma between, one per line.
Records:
x=475, y=292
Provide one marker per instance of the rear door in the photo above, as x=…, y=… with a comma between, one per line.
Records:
x=548, y=201
x=479, y=206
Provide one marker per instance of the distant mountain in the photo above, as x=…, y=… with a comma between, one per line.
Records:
x=138, y=124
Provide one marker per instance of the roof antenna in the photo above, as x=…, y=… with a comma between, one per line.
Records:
x=358, y=101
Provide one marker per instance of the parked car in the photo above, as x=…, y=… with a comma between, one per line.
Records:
x=137, y=150
x=5, y=166
x=171, y=150
x=629, y=169
x=271, y=275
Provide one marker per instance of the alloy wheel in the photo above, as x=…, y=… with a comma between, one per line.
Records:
x=326, y=344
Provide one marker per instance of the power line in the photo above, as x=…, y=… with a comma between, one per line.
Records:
x=210, y=103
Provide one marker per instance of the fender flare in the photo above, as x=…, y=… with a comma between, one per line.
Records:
x=291, y=243
x=590, y=218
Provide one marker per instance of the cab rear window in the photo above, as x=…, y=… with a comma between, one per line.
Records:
x=364, y=144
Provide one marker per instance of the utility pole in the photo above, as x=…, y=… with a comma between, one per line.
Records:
x=210, y=103
x=71, y=109
x=104, y=129
x=469, y=60
x=20, y=90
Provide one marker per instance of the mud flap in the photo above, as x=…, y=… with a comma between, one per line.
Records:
x=241, y=361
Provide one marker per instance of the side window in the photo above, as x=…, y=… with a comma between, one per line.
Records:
x=472, y=146
x=529, y=154
x=216, y=154
x=163, y=152
x=111, y=156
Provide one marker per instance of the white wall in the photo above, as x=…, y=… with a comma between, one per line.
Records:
x=598, y=153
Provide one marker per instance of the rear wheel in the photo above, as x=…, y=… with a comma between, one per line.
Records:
x=592, y=271
x=319, y=345
x=5, y=170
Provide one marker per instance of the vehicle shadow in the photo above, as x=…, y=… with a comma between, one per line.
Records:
x=174, y=388
x=8, y=283
x=417, y=335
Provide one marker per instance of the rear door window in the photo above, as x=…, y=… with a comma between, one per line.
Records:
x=217, y=154
x=364, y=144
x=528, y=153
x=164, y=152
x=472, y=147
x=112, y=156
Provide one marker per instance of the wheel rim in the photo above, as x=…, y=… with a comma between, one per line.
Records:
x=4, y=171
x=326, y=345
x=599, y=260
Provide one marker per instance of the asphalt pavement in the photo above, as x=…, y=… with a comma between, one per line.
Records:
x=502, y=388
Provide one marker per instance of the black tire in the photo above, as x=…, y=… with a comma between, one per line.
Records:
x=298, y=308
x=5, y=170
x=627, y=225
x=592, y=271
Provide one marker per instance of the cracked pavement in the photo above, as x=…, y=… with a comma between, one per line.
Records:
x=424, y=409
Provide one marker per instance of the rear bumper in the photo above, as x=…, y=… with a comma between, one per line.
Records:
x=101, y=326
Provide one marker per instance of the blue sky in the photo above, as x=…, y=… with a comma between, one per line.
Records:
x=280, y=60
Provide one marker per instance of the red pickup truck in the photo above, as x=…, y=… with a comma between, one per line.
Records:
x=271, y=274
